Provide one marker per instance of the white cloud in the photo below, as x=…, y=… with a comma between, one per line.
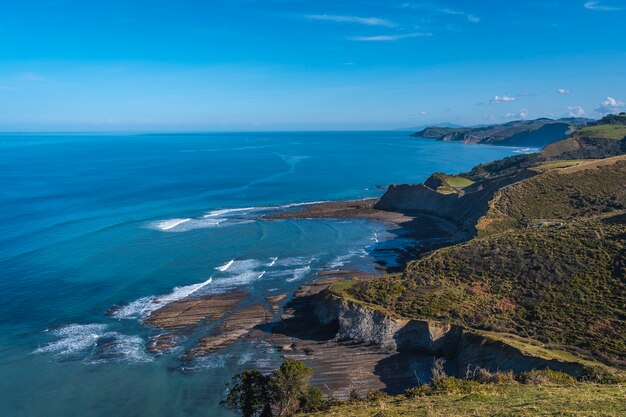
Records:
x=575, y=111
x=597, y=5
x=503, y=99
x=522, y=114
x=563, y=91
x=387, y=38
x=470, y=17
x=442, y=10
x=369, y=21
x=610, y=105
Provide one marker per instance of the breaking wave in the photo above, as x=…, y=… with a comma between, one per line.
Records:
x=145, y=305
x=95, y=343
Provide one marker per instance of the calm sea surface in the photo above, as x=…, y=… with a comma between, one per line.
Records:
x=89, y=222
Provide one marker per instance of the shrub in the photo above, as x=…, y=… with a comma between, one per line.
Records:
x=437, y=371
x=546, y=376
x=501, y=377
x=248, y=393
x=313, y=401
x=377, y=396
x=603, y=376
x=288, y=385
x=484, y=376
x=421, y=391
x=284, y=392
x=452, y=385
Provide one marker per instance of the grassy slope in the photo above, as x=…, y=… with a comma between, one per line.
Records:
x=499, y=400
x=548, y=165
x=605, y=131
x=574, y=192
x=560, y=282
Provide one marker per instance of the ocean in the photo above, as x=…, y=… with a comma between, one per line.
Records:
x=131, y=222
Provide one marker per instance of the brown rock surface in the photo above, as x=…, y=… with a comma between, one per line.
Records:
x=235, y=326
x=342, y=209
x=191, y=311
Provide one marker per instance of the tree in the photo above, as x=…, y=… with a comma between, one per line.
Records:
x=249, y=394
x=289, y=384
x=313, y=401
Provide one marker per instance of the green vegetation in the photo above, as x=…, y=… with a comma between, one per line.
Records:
x=484, y=393
x=447, y=184
x=505, y=399
x=284, y=392
x=604, y=131
x=548, y=165
x=536, y=133
x=459, y=182
x=561, y=285
x=550, y=264
x=573, y=193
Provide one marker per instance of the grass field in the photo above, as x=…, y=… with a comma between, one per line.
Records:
x=581, y=399
x=546, y=166
x=459, y=182
x=453, y=183
x=604, y=131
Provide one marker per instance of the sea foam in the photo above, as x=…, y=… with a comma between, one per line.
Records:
x=145, y=305
x=95, y=343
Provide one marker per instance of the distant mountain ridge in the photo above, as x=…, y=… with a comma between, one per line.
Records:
x=442, y=125
x=536, y=133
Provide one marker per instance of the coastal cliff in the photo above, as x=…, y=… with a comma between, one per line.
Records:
x=463, y=207
x=526, y=133
x=462, y=348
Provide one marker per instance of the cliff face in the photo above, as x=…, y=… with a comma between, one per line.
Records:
x=463, y=209
x=462, y=348
x=533, y=133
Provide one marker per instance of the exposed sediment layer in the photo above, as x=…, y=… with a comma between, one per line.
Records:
x=342, y=209
x=191, y=311
x=235, y=326
x=463, y=209
x=462, y=347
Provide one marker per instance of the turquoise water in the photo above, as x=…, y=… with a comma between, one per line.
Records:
x=90, y=222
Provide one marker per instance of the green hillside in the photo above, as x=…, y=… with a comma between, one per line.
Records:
x=582, y=399
x=531, y=133
x=549, y=263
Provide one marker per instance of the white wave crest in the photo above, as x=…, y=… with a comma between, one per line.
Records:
x=295, y=261
x=225, y=267
x=219, y=218
x=95, y=342
x=299, y=273
x=145, y=305
x=169, y=224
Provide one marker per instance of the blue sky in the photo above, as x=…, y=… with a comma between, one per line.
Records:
x=76, y=65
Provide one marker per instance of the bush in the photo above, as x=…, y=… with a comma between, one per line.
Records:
x=421, y=391
x=546, y=376
x=248, y=393
x=288, y=385
x=484, y=376
x=284, y=392
x=501, y=377
x=452, y=385
x=603, y=376
x=377, y=396
x=314, y=401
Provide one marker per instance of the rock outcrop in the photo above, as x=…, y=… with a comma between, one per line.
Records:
x=462, y=209
x=463, y=348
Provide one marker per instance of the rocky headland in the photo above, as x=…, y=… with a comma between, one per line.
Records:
x=367, y=332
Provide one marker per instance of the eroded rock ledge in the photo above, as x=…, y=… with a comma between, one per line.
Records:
x=463, y=348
